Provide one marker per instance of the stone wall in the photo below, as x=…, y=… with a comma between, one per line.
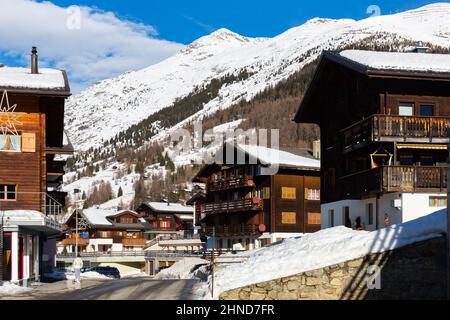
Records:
x=417, y=271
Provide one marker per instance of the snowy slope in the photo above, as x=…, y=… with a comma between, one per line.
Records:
x=323, y=248
x=113, y=105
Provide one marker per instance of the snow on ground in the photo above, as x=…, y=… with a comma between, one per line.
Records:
x=9, y=289
x=114, y=174
x=181, y=269
x=321, y=249
x=134, y=274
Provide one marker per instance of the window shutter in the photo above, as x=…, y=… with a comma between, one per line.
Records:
x=28, y=142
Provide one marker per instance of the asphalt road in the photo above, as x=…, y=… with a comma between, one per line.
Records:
x=131, y=289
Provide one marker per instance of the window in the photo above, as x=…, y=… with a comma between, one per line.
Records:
x=126, y=220
x=288, y=217
x=266, y=193
x=369, y=209
x=8, y=192
x=314, y=218
x=10, y=142
x=164, y=224
x=406, y=109
x=289, y=193
x=346, y=217
x=436, y=201
x=426, y=110
x=331, y=218
x=312, y=194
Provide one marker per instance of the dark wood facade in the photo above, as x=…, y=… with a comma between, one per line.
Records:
x=33, y=170
x=381, y=130
x=167, y=221
x=123, y=228
x=242, y=203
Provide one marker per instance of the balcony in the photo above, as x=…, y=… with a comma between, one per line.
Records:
x=73, y=241
x=129, y=242
x=414, y=179
x=389, y=128
x=231, y=183
x=233, y=230
x=254, y=204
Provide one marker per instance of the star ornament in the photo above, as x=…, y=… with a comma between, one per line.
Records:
x=9, y=119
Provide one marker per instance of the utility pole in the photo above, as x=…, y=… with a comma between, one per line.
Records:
x=448, y=225
x=1, y=250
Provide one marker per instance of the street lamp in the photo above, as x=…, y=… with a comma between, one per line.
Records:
x=77, y=262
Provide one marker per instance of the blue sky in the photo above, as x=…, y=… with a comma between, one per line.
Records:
x=115, y=36
x=185, y=21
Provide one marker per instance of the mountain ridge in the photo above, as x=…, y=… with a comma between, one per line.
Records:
x=111, y=106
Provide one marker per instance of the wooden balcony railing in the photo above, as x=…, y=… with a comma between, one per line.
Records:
x=396, y=128
x=233, y=230
x=395, y=179
x=231, y=183
x=254, y=204
x=414, y=178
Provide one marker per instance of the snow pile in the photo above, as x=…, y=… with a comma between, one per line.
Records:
x=181, y=269
x=93, y=275
x=321, y=249
x=135, y=274
x=10, y=289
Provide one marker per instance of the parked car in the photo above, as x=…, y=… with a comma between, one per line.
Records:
x=111, y=272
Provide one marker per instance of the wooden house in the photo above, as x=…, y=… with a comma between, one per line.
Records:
x=383, y=121
x=169, y=220
x=31, y=141
x=104, y=231
x=267, y=195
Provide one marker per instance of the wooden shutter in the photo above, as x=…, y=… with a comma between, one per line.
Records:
x=28, y=142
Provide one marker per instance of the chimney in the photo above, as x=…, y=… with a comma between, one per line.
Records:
x=34, y=61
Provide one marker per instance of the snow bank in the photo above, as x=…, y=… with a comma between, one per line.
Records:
x=9, y=289
x=181, y=269
x=135, y=274
x=321, y=249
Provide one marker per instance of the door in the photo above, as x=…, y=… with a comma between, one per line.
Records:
x=346, y=217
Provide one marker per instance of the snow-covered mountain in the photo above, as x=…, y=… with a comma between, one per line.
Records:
x=111, y=106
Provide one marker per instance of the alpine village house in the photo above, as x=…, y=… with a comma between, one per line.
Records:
x=383, y=121
x=270, y=195
x=31, y=171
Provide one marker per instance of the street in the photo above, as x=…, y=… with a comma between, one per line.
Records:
x=123, y=289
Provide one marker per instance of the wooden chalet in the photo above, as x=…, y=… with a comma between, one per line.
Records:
x=383, y=121
x=269, y=195
x=167, y=219
x=31, y=170
x=104, y=231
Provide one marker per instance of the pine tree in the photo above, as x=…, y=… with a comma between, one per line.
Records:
x=120, y=192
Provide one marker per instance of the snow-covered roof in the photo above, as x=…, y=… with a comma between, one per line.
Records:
x=97, y=216
x=23, y=214
x=170, y=207
x=278, y=157
x=22, y=78
x=400, y=61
